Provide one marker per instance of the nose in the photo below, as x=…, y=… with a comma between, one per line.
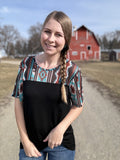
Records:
x=51, y=37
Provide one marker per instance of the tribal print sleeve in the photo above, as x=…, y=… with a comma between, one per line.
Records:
x=75, y=86
x=18, y=88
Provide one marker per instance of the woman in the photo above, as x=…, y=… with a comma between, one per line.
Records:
x=48, y=95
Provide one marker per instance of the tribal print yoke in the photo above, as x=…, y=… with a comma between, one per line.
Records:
x=30, y=70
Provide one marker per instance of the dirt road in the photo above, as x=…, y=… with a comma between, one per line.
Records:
x=9, y=138
x=97, y=130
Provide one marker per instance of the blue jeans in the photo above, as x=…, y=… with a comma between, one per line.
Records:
x=57, y=153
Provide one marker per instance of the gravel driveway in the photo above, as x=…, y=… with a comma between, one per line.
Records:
x=97, y=130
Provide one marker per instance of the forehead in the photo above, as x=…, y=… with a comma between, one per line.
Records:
x=52, y=24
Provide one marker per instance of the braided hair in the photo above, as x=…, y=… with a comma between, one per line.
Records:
x=66, y=25
x=63, y=74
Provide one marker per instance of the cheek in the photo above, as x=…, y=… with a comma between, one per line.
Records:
x=62, y=43
x=42, y=39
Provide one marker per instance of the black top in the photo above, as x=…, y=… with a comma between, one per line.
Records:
x=43, y=110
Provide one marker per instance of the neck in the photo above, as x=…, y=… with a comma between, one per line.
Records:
x=48, y=61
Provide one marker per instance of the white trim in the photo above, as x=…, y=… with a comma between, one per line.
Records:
x=82, y=45
x=76, y=35
x=95, y=53
x=81, y=53
x=99, y=53
x=87, y=35
x=117, y=55
x=68, y=55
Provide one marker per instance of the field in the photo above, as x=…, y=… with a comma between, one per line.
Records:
x=107, y=73
x=8, y=74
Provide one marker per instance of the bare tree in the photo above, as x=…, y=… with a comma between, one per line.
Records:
x=11, y=49
x=8, y=36
x=34, y=40
x=110, y=40
x=21, y=47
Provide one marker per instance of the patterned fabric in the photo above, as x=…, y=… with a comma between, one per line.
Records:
x=30, y=70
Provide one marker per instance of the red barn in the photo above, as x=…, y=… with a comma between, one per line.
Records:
x=84, y=45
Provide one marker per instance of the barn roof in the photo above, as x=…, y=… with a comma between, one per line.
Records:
x=109, y=50
x=84, y=27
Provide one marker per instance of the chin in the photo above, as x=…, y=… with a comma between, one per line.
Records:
x=51, y=52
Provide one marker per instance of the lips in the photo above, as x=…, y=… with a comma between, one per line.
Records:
x=50, y=46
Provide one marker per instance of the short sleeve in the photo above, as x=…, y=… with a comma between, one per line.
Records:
x=18, y=88
x=75, y=87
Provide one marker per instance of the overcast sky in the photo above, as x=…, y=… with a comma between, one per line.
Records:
x=100, y=16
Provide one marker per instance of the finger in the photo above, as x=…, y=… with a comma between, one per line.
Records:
x=51, y=145
x=38, y=153
x=46, y=139
x=56, y=145
x=33, y=155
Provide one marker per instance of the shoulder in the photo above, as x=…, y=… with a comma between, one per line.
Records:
x=72, y=69
x=27, y=61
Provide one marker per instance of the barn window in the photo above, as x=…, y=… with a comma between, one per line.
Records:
x=81, y=45
x=89, y=47
x=74, y=53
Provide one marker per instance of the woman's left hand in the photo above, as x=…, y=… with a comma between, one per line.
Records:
x=55, y=137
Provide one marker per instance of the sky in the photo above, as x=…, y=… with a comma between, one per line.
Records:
x=99, y=16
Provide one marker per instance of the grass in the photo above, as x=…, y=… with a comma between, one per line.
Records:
x=107, y=73
x=8, y=74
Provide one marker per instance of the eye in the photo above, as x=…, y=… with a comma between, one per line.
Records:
x=59, y=35
x=47, y=31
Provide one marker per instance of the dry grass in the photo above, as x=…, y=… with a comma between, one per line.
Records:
x=8, y=74
x=107, y=73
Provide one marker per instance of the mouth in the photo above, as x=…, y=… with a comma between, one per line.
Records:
x=49, y=46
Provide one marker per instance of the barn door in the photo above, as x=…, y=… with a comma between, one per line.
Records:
x=96, y=55
x=83, y=55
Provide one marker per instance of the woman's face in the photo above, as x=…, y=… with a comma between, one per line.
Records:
x=52, y=38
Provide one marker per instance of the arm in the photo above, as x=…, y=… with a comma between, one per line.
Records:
x=70, y=117
x=30, y=149
x=55, y=137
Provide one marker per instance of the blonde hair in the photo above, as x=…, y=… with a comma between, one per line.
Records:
x=66, y=25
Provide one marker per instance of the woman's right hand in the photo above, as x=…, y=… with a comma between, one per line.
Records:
x=31, y=150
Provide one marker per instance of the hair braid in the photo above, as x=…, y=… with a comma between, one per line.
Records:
x=63, y=77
